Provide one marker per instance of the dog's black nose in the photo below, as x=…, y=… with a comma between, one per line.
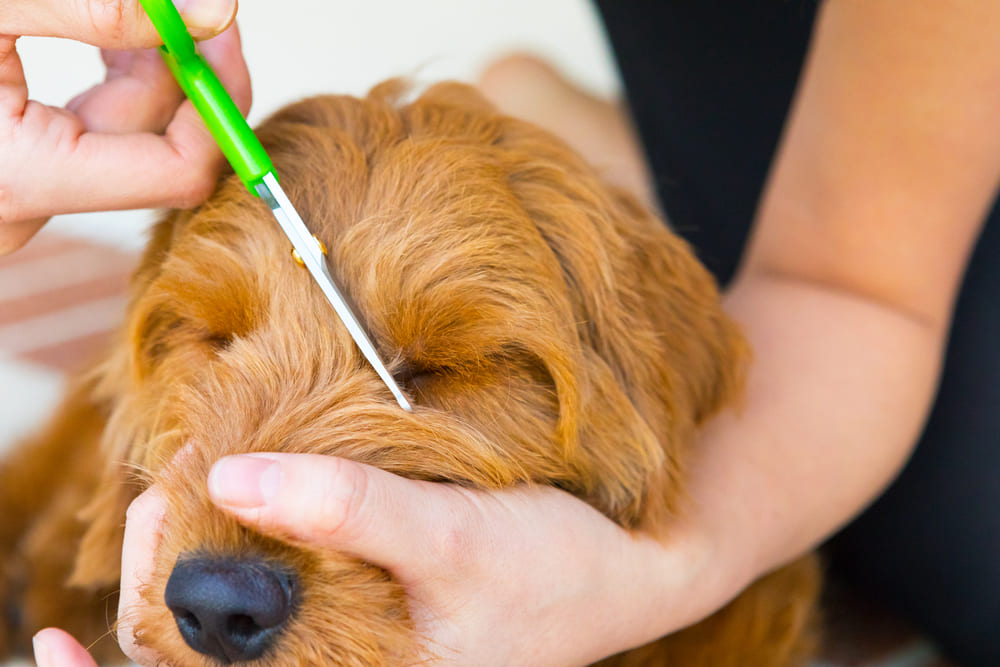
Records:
x=229, y=609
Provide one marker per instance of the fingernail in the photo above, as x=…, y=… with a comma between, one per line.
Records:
x=43, y=656
x=244, y=481
x=208, y=15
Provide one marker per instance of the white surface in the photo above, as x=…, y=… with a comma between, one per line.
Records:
x=297, y=48
x=123, y=229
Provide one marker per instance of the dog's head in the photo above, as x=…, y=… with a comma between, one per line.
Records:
x=546, y=328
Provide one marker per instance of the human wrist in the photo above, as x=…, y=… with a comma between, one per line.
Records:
x=660, y=584
x=717, y=559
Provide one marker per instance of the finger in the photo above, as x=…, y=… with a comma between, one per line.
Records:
x=13, y=236
x=143, y=531
x=225, y=54
x=55, y=648
x=13, y=87
x=116, y=24
x=65, y=170
x=139, y=95
x=181, y=170
x=331, y=502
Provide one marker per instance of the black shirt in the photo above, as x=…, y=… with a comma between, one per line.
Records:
x=709, y=83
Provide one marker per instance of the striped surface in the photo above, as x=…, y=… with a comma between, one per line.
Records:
x=61, y=296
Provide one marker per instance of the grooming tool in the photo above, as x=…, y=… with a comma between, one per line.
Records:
x=251, y=163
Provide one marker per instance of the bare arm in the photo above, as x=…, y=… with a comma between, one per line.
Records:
x=888, y=164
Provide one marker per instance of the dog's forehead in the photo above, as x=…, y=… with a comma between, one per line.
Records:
x=425, y=232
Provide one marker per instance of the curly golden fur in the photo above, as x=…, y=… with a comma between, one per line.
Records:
x=548, y=329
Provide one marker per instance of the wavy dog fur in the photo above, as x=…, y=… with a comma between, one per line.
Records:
x=548, y=329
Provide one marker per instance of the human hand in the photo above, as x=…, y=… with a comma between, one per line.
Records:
x=55, y=648
x=522, y=576
x=130, y=142
x=529, y=575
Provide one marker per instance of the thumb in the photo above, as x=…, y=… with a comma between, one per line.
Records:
x=325, y=501
x=113, y=24
x=57, y=648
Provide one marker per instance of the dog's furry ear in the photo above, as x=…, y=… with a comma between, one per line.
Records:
x=640, y=286
x=98, y=559
x=660, y=355
x=98, y=562
x=656, y=355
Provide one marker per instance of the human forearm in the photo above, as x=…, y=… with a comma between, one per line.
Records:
x=889, y=161
x=835, y=400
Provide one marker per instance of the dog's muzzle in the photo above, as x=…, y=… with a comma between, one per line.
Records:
x=227, y=608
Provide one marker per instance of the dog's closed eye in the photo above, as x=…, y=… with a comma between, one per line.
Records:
x=218, y=341
x=415, y=377
x=164, y=333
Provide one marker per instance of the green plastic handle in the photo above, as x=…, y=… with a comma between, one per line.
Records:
x=238, y=142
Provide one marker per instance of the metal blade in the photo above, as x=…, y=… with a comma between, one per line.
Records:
x=304, y=243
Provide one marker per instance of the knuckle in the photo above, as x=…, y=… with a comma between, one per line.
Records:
x=459, y=545
x=194, y=187
x=136, y=509
x=145, y=504
x=344, y=502
x=15, y=233
x=12, y=244
x=453, y=546
x=6, y=206
x=108, y=18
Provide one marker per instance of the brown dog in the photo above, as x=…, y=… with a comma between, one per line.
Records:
x=547, y=328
